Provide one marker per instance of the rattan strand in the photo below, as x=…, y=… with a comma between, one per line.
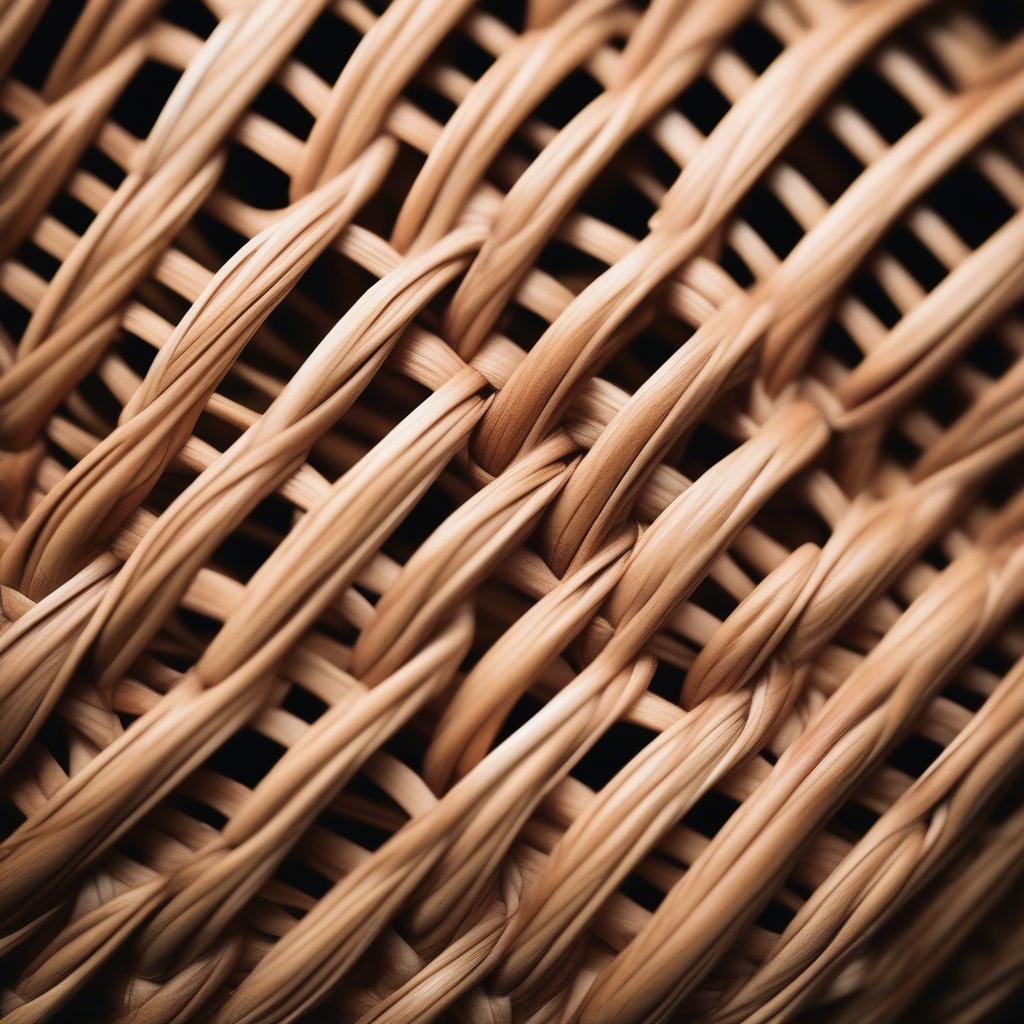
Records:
x=520, y=524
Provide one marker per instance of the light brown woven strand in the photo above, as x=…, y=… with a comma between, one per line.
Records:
x=738, y=518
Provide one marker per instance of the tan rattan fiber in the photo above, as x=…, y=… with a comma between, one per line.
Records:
x=511, y=513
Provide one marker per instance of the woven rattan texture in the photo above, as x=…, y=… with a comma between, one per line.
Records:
x=511, y=513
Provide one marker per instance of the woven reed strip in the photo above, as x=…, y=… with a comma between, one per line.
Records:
x=402, y=627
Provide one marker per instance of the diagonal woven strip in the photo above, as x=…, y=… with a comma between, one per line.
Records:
x=511, y=513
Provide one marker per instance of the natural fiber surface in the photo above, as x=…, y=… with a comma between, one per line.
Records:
x=512, y=513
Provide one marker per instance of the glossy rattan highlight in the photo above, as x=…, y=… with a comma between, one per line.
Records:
x=511, y=513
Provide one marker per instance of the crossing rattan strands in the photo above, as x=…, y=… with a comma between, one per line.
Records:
x=511, y=513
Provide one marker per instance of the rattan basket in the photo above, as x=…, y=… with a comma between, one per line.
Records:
x=511, y=513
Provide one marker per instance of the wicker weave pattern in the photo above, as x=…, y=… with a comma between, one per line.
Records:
x=462, y=560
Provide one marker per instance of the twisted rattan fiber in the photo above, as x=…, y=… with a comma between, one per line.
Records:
x=511, y=513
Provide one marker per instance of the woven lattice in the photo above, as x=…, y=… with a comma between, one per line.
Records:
x=511, y=514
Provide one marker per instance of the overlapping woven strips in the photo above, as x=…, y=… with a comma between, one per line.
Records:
x=511, y=513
